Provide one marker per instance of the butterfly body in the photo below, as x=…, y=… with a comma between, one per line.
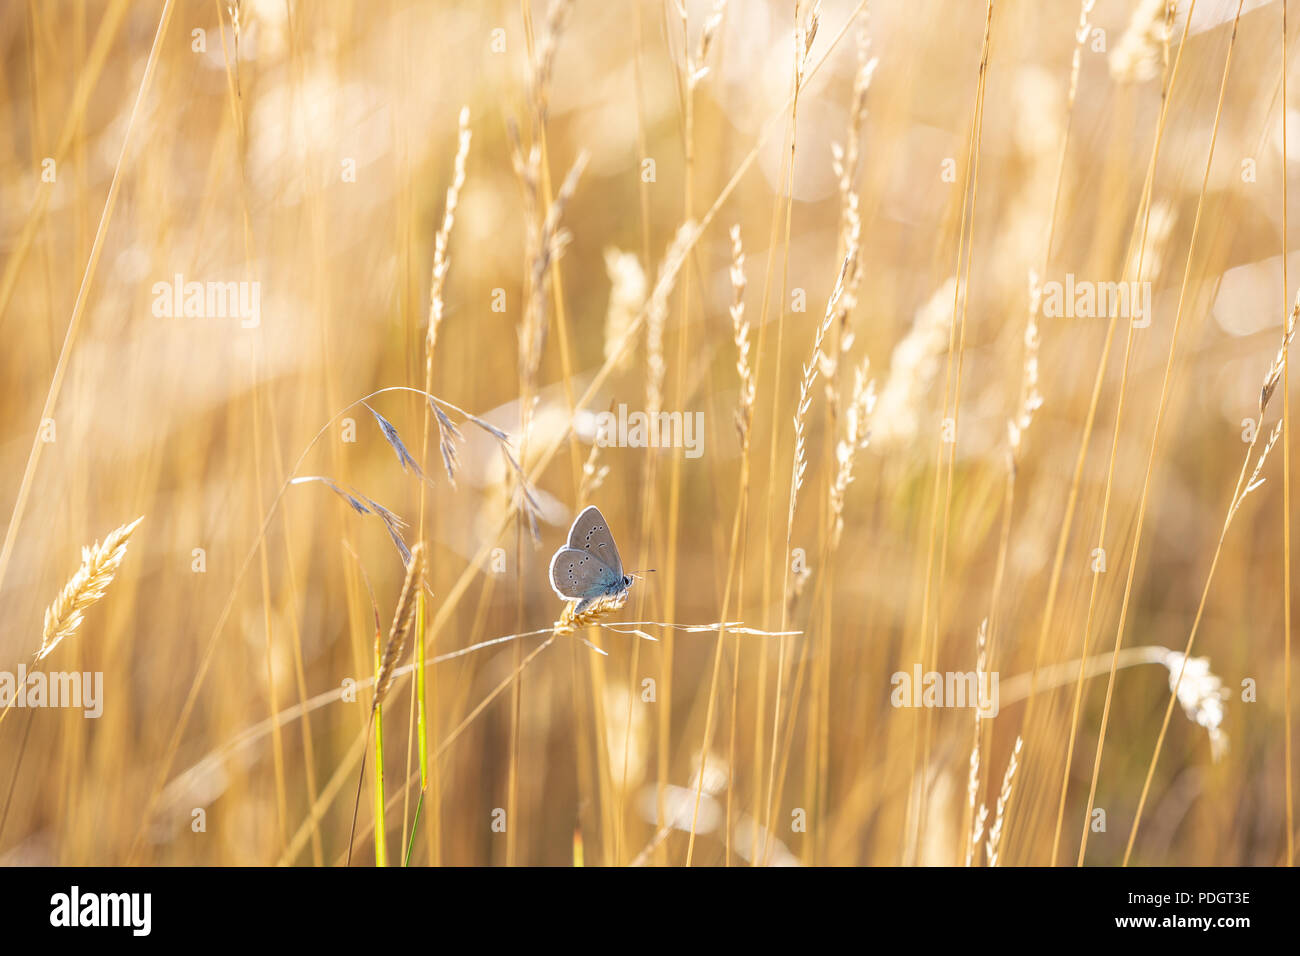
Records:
x=588, y=567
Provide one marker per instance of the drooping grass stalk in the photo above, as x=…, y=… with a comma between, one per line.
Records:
x=1276, y=374
x=293, y=478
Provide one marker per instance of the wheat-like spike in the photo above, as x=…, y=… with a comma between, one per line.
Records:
x=547, y=241
x=856, y=436
x=972, y=791
x=557, y=14
x=1081, y=33
x=440, y=260
x=449, y=437
x=99, y=564
x=400, y=632
x=999, y=820
x=593, y=612
x=740, y=331
x=844, y=161
x=977, y=833
x=805, y=33
x=810, y=377
x=1279, y=361
x=973, y=780
x=1255, y=479
x=1031, y=399
x=695, y=68
x=844, y=158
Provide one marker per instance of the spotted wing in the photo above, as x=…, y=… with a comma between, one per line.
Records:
x=577, y=574
x=590, y=533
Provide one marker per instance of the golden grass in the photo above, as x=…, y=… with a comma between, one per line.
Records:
x=99, y=565
x=833, y=230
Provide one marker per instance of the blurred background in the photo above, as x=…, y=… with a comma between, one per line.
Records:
x=309, y=148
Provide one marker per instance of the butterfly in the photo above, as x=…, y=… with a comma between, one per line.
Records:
x=588, y=567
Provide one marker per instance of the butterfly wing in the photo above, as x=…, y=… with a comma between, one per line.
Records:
x=590, y=533
x=580, y=575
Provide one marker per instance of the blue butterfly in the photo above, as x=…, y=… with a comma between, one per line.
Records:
x=588, y=567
